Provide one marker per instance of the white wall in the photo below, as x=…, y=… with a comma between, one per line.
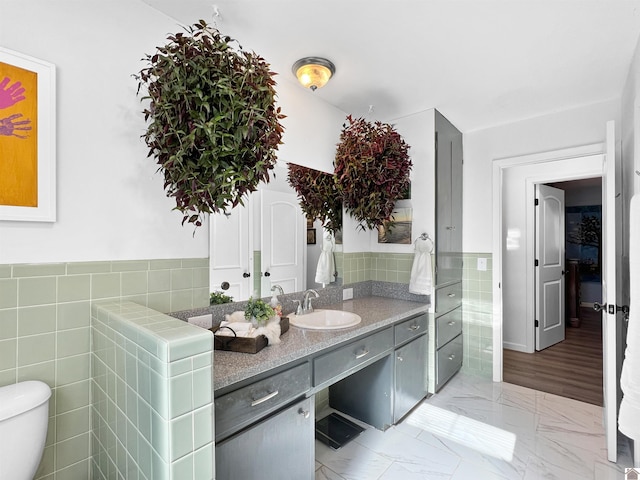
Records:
x=631, y=128
x=579, y=126
x=111, y=203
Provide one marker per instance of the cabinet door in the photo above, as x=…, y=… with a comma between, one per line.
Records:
x=280, y=447
x=448, y=201
x=411, y=376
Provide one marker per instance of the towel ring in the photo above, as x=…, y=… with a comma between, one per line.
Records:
x=425, y=237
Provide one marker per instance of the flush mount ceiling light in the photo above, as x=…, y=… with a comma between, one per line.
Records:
x=313, y=72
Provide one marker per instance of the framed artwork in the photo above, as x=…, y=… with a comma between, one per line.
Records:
x=27, y=138
x=311, y=236
x=399, y=229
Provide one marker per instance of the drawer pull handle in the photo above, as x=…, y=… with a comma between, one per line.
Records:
x=264, y=399
x=451, y=357
x=364, y=353
x=452, y=322
x=413, y=328
x=304, y=413
x=451, y=295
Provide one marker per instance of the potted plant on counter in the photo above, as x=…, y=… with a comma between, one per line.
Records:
x=258, y=312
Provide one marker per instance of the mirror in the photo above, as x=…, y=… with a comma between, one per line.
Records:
x=270, y=241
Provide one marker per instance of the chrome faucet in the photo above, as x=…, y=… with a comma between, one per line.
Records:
x=277, y=287
x=306, y=301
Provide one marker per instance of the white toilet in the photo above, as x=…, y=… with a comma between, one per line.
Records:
x=24, y=416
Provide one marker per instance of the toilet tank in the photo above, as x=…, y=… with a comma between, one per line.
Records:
x=24, y=415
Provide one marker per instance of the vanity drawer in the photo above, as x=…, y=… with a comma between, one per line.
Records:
x=411, y=328
x=449, y=359
x=448, y=298
x=239, y=408
x=335, y=363
x=448, y=326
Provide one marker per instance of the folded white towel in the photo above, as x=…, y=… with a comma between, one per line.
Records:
x=421, y=275
x=325, y=269
x=629, y=417
x=237, y=316
x=237, y=326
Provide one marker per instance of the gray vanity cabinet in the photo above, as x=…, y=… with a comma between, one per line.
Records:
x=448, y=244
x=446, y=343
x=280, y=447
x=266, y=428
x=410, y=376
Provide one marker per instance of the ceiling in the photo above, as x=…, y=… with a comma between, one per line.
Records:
x=481, y=63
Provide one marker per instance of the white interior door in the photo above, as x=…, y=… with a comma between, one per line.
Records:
x=283, y=242
x=611, y=223
x=550, y=268
x=229, y=253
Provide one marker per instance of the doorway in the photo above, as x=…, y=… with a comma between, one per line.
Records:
x=572, y=367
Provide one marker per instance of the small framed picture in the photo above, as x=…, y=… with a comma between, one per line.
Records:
x=311, y=236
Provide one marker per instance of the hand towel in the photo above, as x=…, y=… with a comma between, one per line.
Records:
x=629, y=417
x=421, y=275
x=237, y=316
x=325, y=269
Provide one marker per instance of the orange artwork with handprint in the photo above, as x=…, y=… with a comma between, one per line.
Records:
x=18, y=136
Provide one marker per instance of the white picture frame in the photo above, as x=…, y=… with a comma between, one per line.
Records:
x=45, y=209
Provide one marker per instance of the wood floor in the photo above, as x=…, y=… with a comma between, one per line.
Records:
x=572, y=368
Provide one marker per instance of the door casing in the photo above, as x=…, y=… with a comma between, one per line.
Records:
x=588, y=164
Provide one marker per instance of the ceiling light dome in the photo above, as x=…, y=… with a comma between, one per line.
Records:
x=313, y=72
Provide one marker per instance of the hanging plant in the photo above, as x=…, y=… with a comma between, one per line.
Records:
x=372, y=168
x=318, y=195
x=213, y=126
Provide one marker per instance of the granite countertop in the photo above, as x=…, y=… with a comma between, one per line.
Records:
x=298, y=343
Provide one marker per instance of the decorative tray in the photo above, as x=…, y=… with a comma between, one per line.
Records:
x=245, y=344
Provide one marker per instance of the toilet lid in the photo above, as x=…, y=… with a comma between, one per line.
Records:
x=20, y=397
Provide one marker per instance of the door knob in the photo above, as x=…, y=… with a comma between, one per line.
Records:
x=598, y=307
x=225, y=285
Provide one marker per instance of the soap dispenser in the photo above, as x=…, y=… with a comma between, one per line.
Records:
x=275, y=303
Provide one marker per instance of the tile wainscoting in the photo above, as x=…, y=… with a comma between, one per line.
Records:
x=45, y=315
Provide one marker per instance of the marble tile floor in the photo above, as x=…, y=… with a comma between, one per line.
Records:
x=481, y=430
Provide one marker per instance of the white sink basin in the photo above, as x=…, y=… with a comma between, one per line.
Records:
x=325, y=320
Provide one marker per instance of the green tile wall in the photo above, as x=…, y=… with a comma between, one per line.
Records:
x=152, y=395
x=386, y=267
x=45, y=312
x=477, y=312
x=257, y=272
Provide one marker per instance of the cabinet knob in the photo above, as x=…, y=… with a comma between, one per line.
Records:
x=451, y=357
x=451, y=295
x=415, y=327
x=304, y=413
x=246, y=274
x=267, y=274
x=400, y=359
x=451, y=323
